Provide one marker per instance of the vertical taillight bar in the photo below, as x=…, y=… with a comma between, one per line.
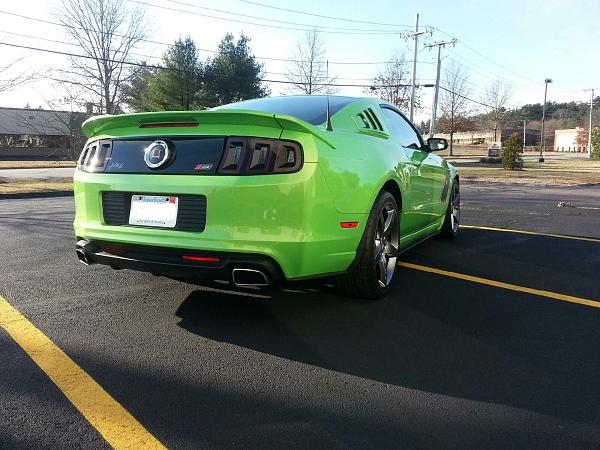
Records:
x=257, y=156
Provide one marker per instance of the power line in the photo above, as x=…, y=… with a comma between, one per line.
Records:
x=465, y=97
x=309, y=26
x=159, y=57
x=494, y=75
x=152, y=66
x=73, y=44
x=266, y=58
x=245, y=22
x=488, y=58
x=322, y=15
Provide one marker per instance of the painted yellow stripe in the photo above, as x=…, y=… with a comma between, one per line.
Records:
x=534, y=233
x=120, y=429
x=500, y=284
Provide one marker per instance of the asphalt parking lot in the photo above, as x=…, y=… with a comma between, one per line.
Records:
x=446, y=361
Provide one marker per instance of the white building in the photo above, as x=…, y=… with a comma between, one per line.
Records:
x=566, y=140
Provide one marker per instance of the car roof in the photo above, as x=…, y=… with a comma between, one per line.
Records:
x=310, y=108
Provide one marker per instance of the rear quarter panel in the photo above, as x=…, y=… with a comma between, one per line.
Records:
x=358, y=167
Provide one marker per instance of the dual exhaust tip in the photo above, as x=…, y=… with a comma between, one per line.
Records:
x=80, y=251
x=249, y=278
x=240, y=277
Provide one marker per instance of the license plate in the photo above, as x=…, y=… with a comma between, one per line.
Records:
x=153, y=211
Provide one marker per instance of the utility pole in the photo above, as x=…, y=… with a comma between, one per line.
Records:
x=589, y=143
x=415, y=35
x=439, y=46
x=524, y=134
x=543, y=143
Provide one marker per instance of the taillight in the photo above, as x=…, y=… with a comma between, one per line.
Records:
x=95, y=156
x=256, y=156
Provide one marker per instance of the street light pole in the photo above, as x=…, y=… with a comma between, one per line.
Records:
x=589, y=146
x=543, y=143
x=524, y=134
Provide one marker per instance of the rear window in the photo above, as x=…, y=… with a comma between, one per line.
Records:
x=310, y=108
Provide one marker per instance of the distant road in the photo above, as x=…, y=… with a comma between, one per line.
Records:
x=526, y=157
x=54, y=172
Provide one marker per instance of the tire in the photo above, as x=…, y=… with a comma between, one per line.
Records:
x=451, y=224
x=373, y=269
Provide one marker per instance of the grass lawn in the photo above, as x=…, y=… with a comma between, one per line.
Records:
x=35, y=185
x=35, y=164
x=551, y=172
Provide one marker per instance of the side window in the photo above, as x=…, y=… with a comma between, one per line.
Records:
x=401, y=129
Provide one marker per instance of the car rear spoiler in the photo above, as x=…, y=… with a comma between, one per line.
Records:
x=100, y=125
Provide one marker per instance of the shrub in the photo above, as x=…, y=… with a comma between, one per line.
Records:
x=511, y=153
x=596, y=143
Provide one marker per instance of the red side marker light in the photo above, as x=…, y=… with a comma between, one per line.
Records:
x=169, y=125
x=348, y=224
x=200, y=259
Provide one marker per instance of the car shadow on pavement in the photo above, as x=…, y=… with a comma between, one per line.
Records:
x=433, y=334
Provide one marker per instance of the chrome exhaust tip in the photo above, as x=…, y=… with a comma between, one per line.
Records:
x=81, y=256
x=249, y=278
x=81, y=253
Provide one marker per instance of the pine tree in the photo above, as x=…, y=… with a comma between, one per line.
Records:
x=233, y=74
x=177, y=85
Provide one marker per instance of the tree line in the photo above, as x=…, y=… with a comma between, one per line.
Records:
x=108, y=75
x=185, y=82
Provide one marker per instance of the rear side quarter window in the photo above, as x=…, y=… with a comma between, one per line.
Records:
x=400, y=129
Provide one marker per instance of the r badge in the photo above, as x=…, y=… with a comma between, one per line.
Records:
x=203, y=167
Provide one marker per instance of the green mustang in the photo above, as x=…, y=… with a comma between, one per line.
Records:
x=263, y=191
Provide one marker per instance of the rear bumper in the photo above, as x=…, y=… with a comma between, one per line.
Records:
x=170, y=262
x=290, y=219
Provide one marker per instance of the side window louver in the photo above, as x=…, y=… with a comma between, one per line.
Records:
x=368, y=120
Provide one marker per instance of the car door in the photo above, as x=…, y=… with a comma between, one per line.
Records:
x=424, y=170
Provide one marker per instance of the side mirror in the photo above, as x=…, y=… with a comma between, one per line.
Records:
x=435, y=144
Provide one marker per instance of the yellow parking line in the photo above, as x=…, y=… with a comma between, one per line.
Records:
x=534, y=233
x=500, y=284
x=120, y=429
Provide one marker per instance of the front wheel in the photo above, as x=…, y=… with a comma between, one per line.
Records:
x=452, y=219
x=375, y=264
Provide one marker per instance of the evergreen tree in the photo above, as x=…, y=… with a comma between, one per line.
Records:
x=596, y=143
x=511, y=153
x=177, y=86
x=233, y=74
x=135, y=91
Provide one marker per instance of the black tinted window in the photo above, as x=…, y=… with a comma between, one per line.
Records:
x=401, y=129
x=310, y=108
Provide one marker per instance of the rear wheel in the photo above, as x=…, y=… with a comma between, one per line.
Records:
x=452, y=219
x=375, y=265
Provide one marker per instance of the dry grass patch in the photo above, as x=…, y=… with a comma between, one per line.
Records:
x=551, y=172
x=35, y=164
x=29, y=186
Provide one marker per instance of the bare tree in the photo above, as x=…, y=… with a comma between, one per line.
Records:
x=393, y=83
x=454, y=103
x=106, y=32
x=9, y=79
x=496, y=95
x=308, y=71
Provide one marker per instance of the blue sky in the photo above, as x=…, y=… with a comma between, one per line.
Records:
x=521, y=42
